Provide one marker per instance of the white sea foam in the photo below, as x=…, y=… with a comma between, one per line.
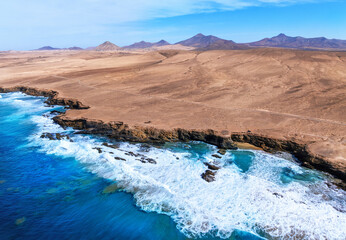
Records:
x=252, y=201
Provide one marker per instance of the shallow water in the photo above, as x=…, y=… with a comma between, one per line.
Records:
x=75, y=188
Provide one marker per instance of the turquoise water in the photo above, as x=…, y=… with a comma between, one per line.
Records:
x=75, y=188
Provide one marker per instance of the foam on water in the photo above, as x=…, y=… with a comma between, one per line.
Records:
x=254, y=199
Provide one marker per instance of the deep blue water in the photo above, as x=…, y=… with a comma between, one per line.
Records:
x=53, y=195
x=58, y=198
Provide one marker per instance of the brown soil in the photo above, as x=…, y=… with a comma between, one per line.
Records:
x=272, y=98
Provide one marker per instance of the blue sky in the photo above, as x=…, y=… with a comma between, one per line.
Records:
x=31, y=24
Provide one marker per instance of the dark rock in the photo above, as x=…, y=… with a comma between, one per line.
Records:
x=278, y=195
x=145, y=147
x=222, y=151
x=56, y=112
x=115, y=146
x=147, y=160
x=119, y=158
x=98, y=149
x=132, y=154
x=208, y=176
x=50, y=136
x=55, y=136
x=58, y=136
x=216, y=156
x=211, y=166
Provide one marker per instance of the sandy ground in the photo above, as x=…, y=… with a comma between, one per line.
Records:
x=286, y=94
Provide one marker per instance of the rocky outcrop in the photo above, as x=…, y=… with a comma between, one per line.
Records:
x=121, y=131
x=299, y=150
x=52, y=96
x=55, y=136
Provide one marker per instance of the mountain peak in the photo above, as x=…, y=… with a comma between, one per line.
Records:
x=199, y=41
x=281, y=35
x=161, y=43
x=47, y=48
x=107, y=46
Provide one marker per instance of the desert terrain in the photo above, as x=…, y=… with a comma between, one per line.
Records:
x=278, y=93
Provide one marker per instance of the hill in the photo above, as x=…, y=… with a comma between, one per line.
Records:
x=107, y=46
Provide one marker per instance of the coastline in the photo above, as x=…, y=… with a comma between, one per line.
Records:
x=122, y=131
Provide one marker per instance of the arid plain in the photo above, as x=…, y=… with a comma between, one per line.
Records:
x=278, y=93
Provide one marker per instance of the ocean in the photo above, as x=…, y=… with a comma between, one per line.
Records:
x=89, y=187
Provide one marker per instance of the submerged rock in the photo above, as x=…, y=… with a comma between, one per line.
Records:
x=20, y=221
x=110, y=189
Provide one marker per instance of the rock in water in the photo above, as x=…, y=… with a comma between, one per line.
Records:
x=222, y=151
x=211, y=166
x=209, y=176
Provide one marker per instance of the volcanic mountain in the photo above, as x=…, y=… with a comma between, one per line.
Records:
x=75, y=48
x=49, y=48
x=284, y=41
x=143, y=44
x=211, y=42
x=107, y=46
x=199, y=41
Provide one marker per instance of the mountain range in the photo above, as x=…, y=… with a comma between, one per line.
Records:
x=143, y=44
x=48, y=48
x=210, y=42
x=284, y=41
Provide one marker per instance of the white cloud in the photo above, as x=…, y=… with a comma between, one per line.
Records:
x=44, y=20
x=81, y=12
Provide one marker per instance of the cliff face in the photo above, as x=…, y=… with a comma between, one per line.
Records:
x=124, y=132
x=52, y=96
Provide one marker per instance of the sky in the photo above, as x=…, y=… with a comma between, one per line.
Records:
x=31, y=24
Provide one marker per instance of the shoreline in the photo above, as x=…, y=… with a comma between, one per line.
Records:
x=122, y=131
